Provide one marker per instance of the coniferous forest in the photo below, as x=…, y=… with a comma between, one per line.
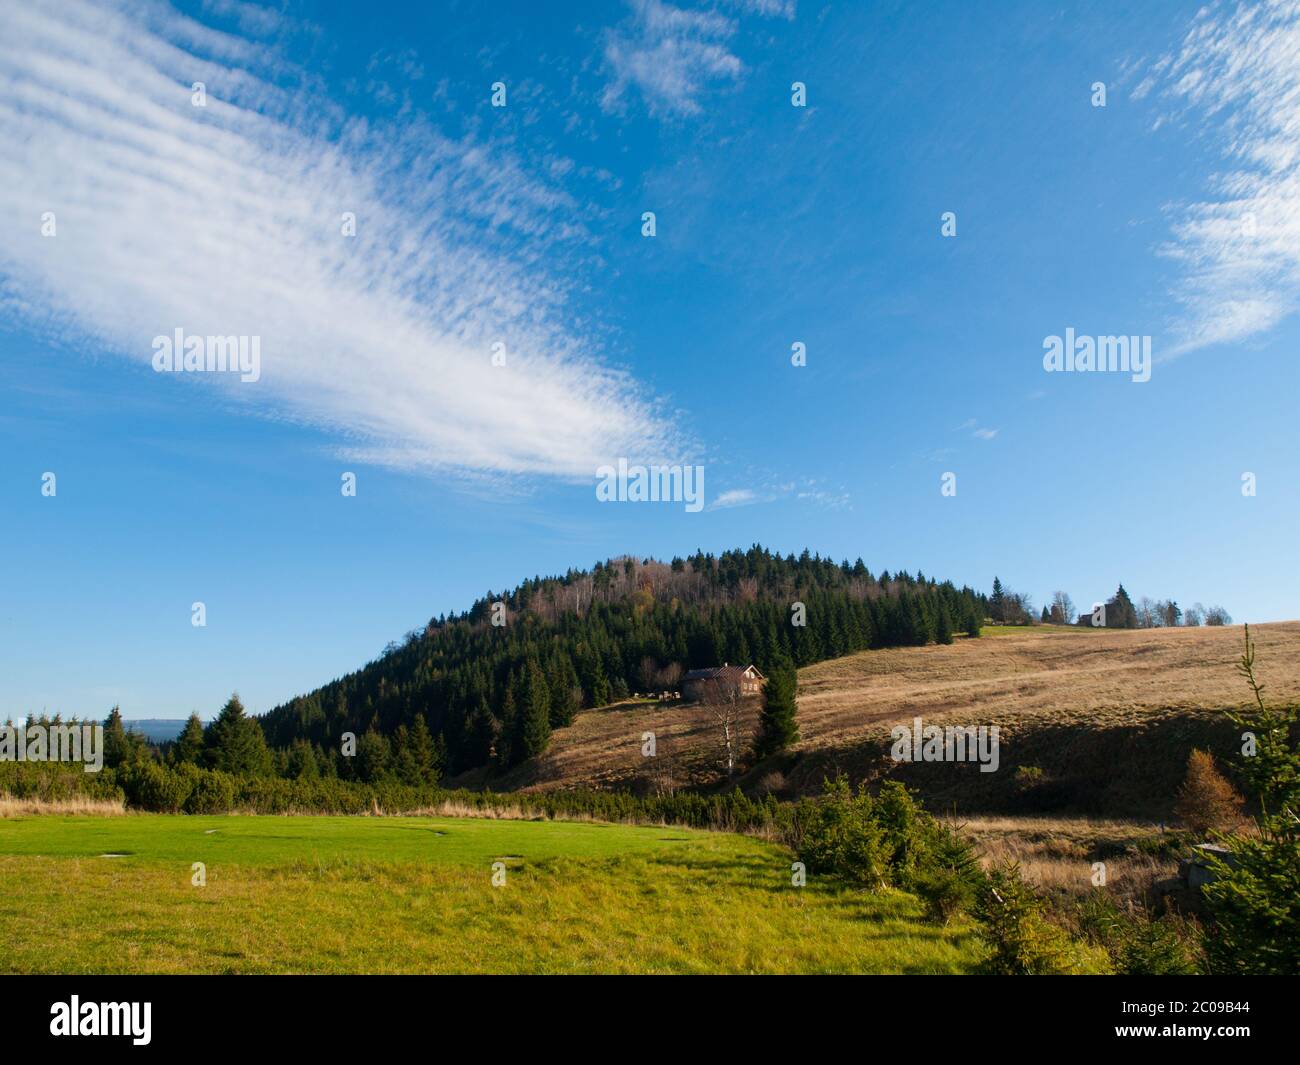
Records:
x=491, y=683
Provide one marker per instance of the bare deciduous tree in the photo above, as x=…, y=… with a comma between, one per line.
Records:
x=1146, y=613
x=1062, y=610
x=670, y=676
x=721, y=698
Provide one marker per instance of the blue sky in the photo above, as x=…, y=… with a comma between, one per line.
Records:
x=1171, y=212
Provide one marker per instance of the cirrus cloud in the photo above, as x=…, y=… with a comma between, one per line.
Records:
x=1237, y=76
x=226, y=219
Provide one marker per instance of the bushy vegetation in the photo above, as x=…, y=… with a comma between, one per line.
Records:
x=54, y=782
x=1254, y=901
x=1207, y=801
x=1021, y=939
x=1139, y=943
x=887, y=839
x=161, y=788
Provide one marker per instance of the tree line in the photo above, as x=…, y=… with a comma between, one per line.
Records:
x=1006, y=607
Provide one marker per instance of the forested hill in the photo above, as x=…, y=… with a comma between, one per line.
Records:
x=494, y=681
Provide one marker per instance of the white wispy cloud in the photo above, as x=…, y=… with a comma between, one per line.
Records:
x=735, y=497
x=225, y=219
x=669, y=55
x=672, y=56
x=771, y=8
x=806, y=490
x=1236, y=76
x=976, y=430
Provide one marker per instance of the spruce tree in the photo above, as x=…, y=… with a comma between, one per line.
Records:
x=997, y=602
x=943, y=625
x=189, y=747
x=777, y=724
x=117, y=744
x=535, y=715
x=403, y=761
x=301, y=763
x=480, y=734
x=234, y=742
x=421, y=754
x=374, y=755
x=564, y=682
x=507, y=734
x=1120, y=612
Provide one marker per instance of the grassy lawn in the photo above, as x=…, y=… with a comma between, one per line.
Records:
x=334, y=894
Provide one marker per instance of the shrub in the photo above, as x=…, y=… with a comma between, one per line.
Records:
x=949, y=878
x=213, y=792
x=887, y=840
x=1021, y=941
x=1206, y=801
x=1028, y=777
x=1138, y=944
x=902, y=822
x=1255, y=904
x=1254, y=901
x=57, y=782
x=841, y=838
x=150, y=786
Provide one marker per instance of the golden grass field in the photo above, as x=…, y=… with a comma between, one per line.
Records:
x=1049, y=689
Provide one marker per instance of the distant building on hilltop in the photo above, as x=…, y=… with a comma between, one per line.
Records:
x=746, y=679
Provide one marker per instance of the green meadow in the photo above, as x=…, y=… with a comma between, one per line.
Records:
x=415, y=894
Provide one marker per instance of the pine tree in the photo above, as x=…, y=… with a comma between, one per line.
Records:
x=535, y=715
x=997, y=601
x=234, y=742
x=117, y=744
x=778, y=727
x=480, y=734
x=507, y=734
x=943, y=625
x=301, y=763
x=1120, y=612
x=564, y=683
x=374, y=755
x=189, y=747
x=421, y=754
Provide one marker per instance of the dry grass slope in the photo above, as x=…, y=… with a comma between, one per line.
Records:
x=1109, y=717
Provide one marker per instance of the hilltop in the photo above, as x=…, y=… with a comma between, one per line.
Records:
x=493, y=683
